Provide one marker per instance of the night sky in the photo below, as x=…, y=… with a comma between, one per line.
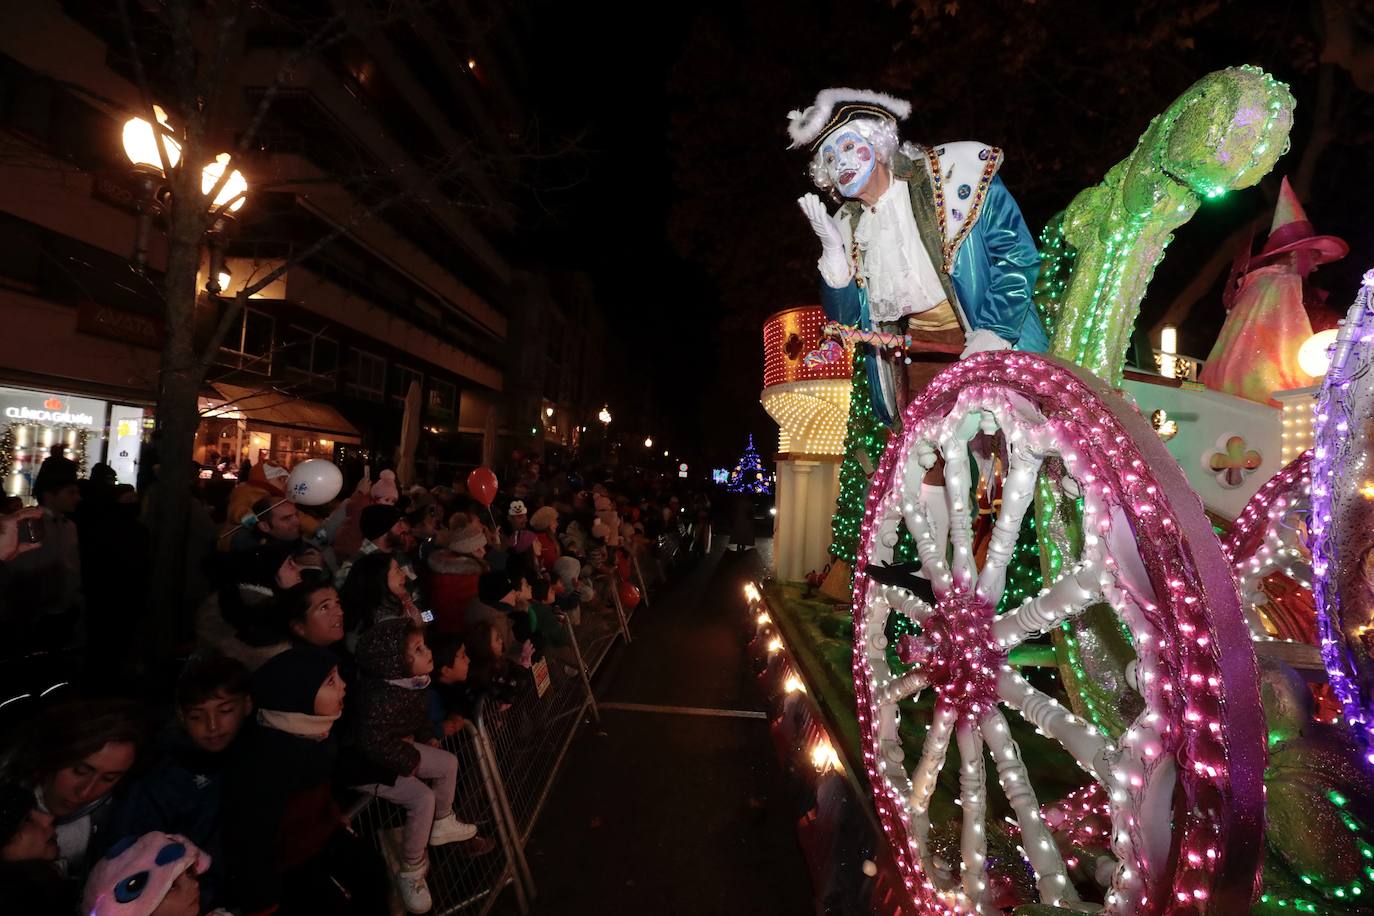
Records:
x=680, y=201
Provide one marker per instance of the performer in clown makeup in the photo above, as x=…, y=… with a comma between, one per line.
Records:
x=926, y=241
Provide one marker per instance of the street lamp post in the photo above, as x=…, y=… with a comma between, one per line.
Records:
x=198, y=195
x=152, y=151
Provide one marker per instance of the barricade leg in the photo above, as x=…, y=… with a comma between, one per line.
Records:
x=506, y=826
x=582, y=672
x=460, y=881
x=614, y=580
x=639, y=574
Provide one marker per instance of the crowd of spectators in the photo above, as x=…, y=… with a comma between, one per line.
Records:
x=328, y=653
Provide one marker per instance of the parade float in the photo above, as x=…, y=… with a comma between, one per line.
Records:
x=1142, y=594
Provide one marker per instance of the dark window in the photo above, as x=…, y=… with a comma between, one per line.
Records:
x=442, y=396
x=401, y=377
x=368, y=378
x=309, y=352
x=248, y=346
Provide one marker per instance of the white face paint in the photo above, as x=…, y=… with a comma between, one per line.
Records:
x=849, y=160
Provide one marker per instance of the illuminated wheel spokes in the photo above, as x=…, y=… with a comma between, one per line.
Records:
x=961, y=652
x=1051, y=877
x=973, y=797
x=1267, y=537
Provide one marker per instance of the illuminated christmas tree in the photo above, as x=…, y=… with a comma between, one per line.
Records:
x=864, y=439
x=749, y=475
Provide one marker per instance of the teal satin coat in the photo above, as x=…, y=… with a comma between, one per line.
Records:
x=993, y=276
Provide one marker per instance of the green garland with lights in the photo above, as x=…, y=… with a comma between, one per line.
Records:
x=864, y=439
x=1057, y=259
x=1023, y=571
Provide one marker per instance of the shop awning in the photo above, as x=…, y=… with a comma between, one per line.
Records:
x=278, y=411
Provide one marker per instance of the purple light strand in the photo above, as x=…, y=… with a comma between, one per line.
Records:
x=1329, y=458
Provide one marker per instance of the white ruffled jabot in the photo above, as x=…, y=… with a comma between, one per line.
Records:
x=901, y=280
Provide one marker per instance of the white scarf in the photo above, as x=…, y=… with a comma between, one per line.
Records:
x=897, y=268
x=415, y=682
x=300, y=724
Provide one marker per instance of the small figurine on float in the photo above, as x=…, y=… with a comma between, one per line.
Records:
x=927, y=244
x=1273, y=308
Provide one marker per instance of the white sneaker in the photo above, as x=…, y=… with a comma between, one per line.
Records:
x=414, y=891
x=448, y=829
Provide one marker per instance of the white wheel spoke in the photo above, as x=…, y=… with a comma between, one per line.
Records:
x=973, y=796
x=899, y=599
x=1018, y=491
x=931, y=540
x=1085, y=743
x=958, y=497
x=991, y=422
x=1051, y=876
x=924, y=777
x=929, y=548
x=900, y=688
x=1071, y=594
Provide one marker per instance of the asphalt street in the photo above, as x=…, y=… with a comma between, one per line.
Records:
x=672, y=807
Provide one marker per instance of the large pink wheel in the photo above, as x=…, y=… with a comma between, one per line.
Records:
x=1184, y=783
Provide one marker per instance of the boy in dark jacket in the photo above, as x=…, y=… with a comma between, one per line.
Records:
x=393, y=738
x=451, y=701
x=181, y=793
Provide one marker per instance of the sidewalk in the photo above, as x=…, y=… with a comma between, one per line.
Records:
x=669, y=809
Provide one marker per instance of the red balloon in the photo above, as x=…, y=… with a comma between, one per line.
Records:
x=482, y=485
x=629, y=595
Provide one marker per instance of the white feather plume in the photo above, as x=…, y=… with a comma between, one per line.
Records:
x=805, y=126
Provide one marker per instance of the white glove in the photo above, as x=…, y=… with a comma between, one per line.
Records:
x=834, y=265
x=980, y=341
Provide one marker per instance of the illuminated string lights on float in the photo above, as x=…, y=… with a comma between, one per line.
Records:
x=1342, y=522
x=1153, y=561
x=818, y=747
x=1267, y=538
x=1225, y=132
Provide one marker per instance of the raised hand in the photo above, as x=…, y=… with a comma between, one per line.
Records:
x=821, y=223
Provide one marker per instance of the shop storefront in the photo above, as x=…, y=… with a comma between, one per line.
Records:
x=90, y=430
x=245, y=424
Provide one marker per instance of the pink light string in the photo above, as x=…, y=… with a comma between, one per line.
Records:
x=1201, y=674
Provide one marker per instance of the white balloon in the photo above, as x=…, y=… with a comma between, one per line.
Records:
x=314, y=482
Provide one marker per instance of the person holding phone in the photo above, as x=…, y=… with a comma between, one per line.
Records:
x=20, y=532
x=44, y=584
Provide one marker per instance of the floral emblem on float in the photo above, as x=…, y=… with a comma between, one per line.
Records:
x=1232, y=462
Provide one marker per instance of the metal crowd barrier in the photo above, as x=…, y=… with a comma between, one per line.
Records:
x=458, y=882
x=507, y=763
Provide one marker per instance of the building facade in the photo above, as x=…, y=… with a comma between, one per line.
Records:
x=413, y=121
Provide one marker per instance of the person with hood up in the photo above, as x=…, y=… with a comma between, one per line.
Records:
x=287, y=847
x=394, y=758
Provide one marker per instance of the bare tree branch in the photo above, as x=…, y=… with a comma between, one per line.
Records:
x=141, y=77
